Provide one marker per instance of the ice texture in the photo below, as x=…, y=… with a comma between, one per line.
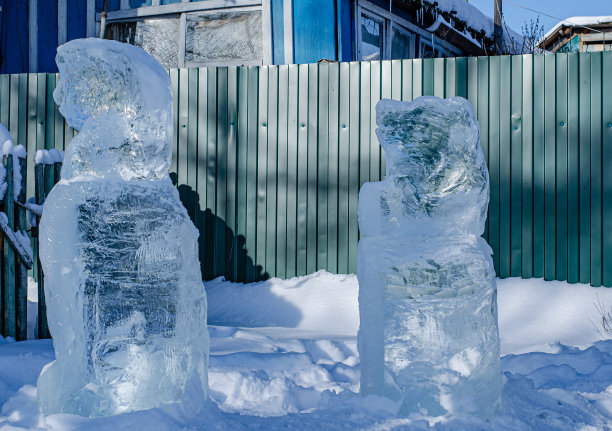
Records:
x=125, y=300
x=428, y=334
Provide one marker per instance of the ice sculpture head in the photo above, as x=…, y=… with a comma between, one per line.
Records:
x=128, y=94
x=434, y=159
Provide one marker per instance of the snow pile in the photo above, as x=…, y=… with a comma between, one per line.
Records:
x=295, y=303
x=267, y=378
x=534, y=314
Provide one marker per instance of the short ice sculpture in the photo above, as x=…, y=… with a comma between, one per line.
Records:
x=427, y=295
x=125, y=299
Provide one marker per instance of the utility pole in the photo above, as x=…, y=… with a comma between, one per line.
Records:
x=498, y=34
x=103, y=20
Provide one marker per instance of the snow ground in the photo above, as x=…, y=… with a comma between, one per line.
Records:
x=284, y=356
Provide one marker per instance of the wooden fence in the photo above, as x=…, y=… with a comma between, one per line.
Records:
x=17, y=241
x=269, y=159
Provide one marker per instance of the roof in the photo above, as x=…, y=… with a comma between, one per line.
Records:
x=473, y=17
x=578, y=21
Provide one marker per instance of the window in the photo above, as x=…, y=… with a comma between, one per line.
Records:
x=382, y=39
x=192, y=33
x=428, y=51
x=383, y=35
x=159, y=37
x=222, y=37
x=117, y=4
x=572, y=45
x=371, y=38
x=401, y=43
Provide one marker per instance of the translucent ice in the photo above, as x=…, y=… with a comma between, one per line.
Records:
x=125, y=301
x=428, y=334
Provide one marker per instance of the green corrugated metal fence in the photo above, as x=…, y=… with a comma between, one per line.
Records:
x=269, y=160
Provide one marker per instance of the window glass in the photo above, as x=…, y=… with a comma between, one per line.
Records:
x=371, y=39
x=111, y=6
x=169, y=1
x=400, y=44
x=217, y=37
x=573, y=45
x=139, y=3
x=159, y=37
x=427, y=51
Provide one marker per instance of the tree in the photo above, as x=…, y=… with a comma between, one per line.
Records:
x=531, y=33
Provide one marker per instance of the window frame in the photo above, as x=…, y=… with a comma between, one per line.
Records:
x=383, y=25
x=396, y=27
x=180, y=10
x=441, y=49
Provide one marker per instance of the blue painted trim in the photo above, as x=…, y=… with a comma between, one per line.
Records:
x=346, y=33
x=278, y=32
x=112, y=5
x=47, y=35
x=314, y=30
x=14, y=45
x=77, y=19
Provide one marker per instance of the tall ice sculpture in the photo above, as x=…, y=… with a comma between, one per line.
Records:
x=125, y=299
x=427, y=295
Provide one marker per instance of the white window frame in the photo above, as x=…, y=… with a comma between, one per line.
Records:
x=392, y=19
x=396, y=27
x=180, y=9
x=383, y=24
x=445, y=52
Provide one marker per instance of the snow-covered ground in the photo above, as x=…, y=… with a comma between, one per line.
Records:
x=284, y=356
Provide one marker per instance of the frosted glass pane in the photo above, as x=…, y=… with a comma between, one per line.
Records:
x=224, y=36
x=159, y=37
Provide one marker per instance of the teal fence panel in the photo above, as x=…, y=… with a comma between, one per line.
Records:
x=269, y=160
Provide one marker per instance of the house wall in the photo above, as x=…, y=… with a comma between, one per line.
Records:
x=47, y=35
x=278, y=31
x=314, y=30
x=14, y=36
x=31, y=30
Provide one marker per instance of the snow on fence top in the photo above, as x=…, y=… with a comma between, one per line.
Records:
x=4, y=135
x=48, y=157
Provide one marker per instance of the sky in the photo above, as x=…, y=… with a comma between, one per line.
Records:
x=515, y=16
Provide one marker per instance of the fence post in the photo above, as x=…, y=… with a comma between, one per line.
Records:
x=21, y=274
x=39, y=185
x=10, y=329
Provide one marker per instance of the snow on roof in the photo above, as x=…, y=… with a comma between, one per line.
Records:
x=473, y=17
x=577, y=21
x=440, y=20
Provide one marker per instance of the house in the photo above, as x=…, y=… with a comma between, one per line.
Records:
x=579, y=34
x=182, y=33
x=224, y=32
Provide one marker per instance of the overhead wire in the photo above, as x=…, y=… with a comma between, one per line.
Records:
x=551, y=16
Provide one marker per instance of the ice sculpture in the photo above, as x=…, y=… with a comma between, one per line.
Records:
x=428, y=334
x=125, y=300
